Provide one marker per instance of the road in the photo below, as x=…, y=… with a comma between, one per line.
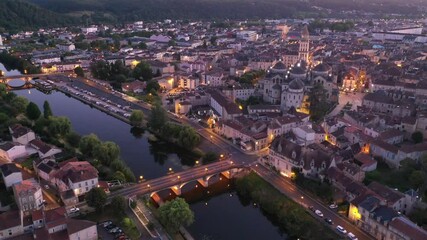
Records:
x=354, y=98
x=289, y=189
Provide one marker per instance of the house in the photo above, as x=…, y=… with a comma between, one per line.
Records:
x=386, y=151
x=393, y=198
x=133, y=87
x=44, y=150
x=81, y=229
x=78, y=176
x=366, y=162
x=11, y=174
x=11, y=151
x=45, y=168
x=287, y=156
x=21, y=134
x=161, y=67
x=10, y=224
x=225, y=108
x=28, y=195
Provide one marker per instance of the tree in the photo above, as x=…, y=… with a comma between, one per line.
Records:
x=73, y=139
x=106, y=152
x=152, y=85
x=136, y=118
x=4, y=118
x=318, y=102
x=79, y=71
x=100, y=69
x=188, y=137
x=143, y=71
x=158, y=117
x=176, y=213
x=118, y=203
x=210, y=157
x=88, y=143
x=118, y=175
x=59, y=126
x=20, y=104
x=417, y=178
x=417, y=137
x=47, y=112
x=96, y=198
x=33, y=111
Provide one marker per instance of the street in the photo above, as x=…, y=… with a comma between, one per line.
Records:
x=354, y=98
x=290, y=190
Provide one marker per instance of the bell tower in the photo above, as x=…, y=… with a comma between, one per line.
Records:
x=304, y=45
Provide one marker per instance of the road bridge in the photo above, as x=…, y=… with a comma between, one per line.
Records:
x=177, y=181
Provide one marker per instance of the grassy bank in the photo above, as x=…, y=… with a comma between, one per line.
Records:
x=291, y=217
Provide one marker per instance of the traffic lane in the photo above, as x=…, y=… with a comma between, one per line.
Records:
x=295, y=194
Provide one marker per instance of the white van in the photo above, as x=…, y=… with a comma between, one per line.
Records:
x=351, y=236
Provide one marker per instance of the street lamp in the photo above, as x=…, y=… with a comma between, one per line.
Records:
x=197, y=162
x=206, y=169
x=141, y=178
x=148, y=185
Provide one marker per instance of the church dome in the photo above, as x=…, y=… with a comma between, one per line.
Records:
x=298, y=70
x=279, y=66
x=323, y=67
x=296, y=84
x=277, y=87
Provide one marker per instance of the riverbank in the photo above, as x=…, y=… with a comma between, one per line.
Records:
x=291, y=217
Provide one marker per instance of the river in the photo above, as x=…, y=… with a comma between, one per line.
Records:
x=219, y=212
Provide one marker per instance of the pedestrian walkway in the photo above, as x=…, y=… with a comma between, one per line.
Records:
x=145, y=216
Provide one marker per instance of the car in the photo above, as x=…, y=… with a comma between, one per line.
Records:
x=311, y=208
x=106, y=223
x=333, y=206
x=74, y=210
x=318, y=213
x=351, y=236
x=46, y=186
x=341, y=229
x=113, y=230
x=329, y=221
x=109, y=227
x=118, y=235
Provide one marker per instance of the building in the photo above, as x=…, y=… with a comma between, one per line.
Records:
x=11, y=151
x=78, y=176
x=304, y=45
x=21, y=134
x=10, y=224
x=11, y=174
x=247, y=35
x=81, y=229
x=28, y=195
x=1, y=41
x=134, y=86
x=223, y=107
x=44, y=150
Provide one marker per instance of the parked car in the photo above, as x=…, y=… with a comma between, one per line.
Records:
x=109, y=227
x=311, y=208
x=329, y=221
x=74, y=210
x=333, y=206
x=318, y=213
x=351, y=236
x=106, y=223
x=113, y=230
x=341, y=229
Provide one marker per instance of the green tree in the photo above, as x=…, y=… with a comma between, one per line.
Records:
x=136, y=118
x=73, y=139
x=143, y=71
x=188, y=137
x=417, y=137
x=118, y=175
x=152, y=85
x=158, y=117
x=88, y=143
x=79, y=71
x=118, y=203
x=33, y=111
x=100, y=69
x=106, y=152
x=4, y=118
x=318, y=102
x=96, y=198
x=59, y=126
x=210, y=157
x=176, y=213
x=417, y=178
x=47, y=111
x=20, y=104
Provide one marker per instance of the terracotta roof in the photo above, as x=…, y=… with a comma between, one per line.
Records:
x=75, y=225
x=408, y=228
x=390, y=195
x=26, y=187
x=37, y=215
x=9, y=219
x=55, y=217
x=76, y=172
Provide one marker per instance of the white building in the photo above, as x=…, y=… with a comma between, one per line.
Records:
x=21, y=134
x=247, y=35
x=88, y=30
x=11, y=174
x=1, y=41
x=11, y=151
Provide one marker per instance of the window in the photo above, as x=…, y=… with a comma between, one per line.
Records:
x=80, y=185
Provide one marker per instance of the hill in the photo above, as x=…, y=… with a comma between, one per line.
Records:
x=17, y=15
